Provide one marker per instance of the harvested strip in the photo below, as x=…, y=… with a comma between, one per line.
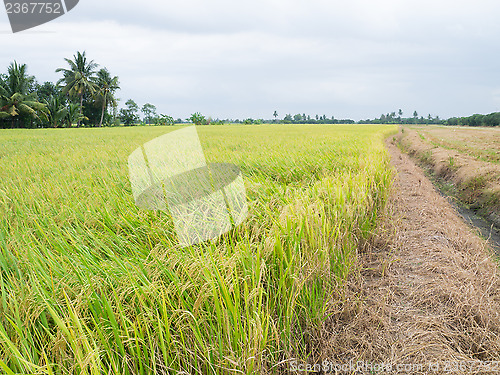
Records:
x=477, y=181
x=428, y=292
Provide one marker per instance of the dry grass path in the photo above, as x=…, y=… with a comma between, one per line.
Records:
x=428, y=293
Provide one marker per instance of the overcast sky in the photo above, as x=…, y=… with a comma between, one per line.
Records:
x=237, y=59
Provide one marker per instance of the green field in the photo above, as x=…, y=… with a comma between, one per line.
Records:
x=92, y=284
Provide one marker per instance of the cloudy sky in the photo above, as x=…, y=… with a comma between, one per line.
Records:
x=237, y=59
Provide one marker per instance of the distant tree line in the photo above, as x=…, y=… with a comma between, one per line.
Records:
x=317, y=119
x=83, y=96
x=493, y=119
x=397, y=118
x=287, y=119
x=86, y=96
x=129, y=115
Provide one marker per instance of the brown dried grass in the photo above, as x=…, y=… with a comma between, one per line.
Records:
x=477, y=182
x=427, y=289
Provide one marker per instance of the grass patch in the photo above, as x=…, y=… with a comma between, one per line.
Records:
x=452, y=164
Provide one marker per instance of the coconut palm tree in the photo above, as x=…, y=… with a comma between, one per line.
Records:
x=107, y=87
x=56, y=111
x=18, y=80
x=19, y=105
x=79, y=79
x=73, y=114
x=16, y=100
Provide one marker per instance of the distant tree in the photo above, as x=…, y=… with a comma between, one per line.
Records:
x=106, y=86
x=164, y=120
x=149, y=111
x=18, y=106
x=18, y=80
x=275, y=114
x=218, y=122
x=287, y=119
x=79, y=79
x=415, y=117
x=73, y=115
x=116, y=120
x=46, y=91
x=56, y=111
x=129, y=114
x=132, y=105
x=197, y=119
x=17, y=99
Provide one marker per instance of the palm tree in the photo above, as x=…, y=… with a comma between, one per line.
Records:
x=15, y=98
x=79, y=79
x=18, y=79
x=56, y=111
x=73, y=114
x=107, y=87
x=20, y=105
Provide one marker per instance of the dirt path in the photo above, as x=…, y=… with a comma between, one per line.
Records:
x=428, y=294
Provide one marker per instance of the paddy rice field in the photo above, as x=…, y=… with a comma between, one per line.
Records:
x=92, y=284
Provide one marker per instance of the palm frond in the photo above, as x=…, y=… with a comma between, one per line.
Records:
x=25, y=109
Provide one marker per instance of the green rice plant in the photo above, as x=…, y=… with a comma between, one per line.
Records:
x=426, y=157
x=452, y=164
x=92, y=284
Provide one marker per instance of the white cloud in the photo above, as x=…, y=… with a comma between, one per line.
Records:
x=236, y=59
